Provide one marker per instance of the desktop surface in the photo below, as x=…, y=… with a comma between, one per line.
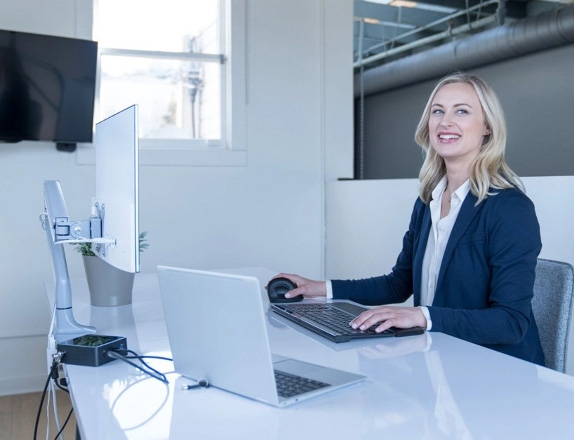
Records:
x=429, y=386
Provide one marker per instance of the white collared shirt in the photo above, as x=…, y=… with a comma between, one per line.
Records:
x=438, y=238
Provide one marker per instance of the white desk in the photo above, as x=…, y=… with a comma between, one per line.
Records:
x=422, y=387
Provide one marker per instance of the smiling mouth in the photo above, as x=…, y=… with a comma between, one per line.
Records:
x=448, y=137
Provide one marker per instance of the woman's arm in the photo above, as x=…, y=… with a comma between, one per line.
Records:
x=397, y=286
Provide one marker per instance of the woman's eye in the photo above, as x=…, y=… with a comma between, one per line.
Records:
x=462, y=111
x=437, y=112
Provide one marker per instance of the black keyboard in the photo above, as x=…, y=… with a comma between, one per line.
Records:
x=289, y=385
x=331, y=320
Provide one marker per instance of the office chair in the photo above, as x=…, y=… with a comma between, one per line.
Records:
x=552, y=304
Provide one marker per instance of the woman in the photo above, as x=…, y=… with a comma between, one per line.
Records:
x=469, y=255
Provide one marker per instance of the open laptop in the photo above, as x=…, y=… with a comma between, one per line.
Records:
x=217, y=331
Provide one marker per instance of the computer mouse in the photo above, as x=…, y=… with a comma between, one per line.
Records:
x=278, y=287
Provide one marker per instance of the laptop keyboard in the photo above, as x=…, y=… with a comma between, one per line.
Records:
x=289, y=385
x=331, y=317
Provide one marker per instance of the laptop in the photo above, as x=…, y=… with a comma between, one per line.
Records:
x=217, y=330
x=331, y=319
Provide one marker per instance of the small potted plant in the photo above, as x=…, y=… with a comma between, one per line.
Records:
x=108, y=285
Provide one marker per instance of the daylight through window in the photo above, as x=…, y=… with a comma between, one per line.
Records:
x=167, y=57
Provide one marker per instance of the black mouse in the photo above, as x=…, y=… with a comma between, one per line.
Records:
x=278, y=287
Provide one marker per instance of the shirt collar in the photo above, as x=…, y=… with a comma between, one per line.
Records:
x=439, y=189
x=462, y=190
x=460, y=193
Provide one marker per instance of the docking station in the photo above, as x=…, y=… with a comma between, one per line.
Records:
x=90, y=350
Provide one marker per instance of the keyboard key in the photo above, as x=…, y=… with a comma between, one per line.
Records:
x=330, y=317
x=289, y=385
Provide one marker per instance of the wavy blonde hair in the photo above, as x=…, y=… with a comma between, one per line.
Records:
x=489, y=168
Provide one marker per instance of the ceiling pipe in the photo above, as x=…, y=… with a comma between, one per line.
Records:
x=422, y=41
x=430, y=39
x=529, y=35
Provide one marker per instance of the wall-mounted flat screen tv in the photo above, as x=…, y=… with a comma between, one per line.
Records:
x=47, y=88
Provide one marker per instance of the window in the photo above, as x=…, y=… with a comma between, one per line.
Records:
x=174, y=59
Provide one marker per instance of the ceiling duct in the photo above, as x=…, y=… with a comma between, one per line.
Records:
x=532, y=34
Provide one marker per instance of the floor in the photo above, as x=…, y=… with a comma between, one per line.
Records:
x=18, y=417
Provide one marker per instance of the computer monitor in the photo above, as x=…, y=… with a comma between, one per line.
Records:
x=113, y=226
x=116, y=145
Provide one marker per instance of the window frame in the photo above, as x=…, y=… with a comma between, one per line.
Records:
x=231, y=149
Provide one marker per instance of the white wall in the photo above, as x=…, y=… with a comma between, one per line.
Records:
x=267, y=213
x=366, y=221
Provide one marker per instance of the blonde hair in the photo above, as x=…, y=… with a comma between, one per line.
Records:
x=489, y=168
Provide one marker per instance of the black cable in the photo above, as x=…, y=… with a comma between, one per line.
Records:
x=141, y=358
x=115, y=354
x=61, y=387
x=134, y=355
x=50, y=375
x=152, y=371
x=64, y=425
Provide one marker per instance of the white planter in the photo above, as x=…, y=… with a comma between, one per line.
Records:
x=108, y=285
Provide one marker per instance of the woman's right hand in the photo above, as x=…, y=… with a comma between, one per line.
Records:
x=307, y=288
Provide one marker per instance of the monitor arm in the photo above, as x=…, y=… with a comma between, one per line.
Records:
x=60, y=230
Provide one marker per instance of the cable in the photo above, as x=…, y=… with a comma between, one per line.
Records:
x=52, y=391
x=51, y=395
x=50, y=375
x=61, y=387
x=201, y=383
x=114, y=354
x=141, y=358
x=56, y=416
x=147, y=418
x=134, y=355
x=64, y=425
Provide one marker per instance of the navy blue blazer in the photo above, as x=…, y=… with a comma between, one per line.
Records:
x=486, y=280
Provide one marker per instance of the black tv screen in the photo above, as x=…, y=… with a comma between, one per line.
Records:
x=47, y=88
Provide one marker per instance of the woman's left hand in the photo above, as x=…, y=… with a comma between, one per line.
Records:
x=386, y=317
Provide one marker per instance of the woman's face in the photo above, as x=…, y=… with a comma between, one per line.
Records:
x=456, y=124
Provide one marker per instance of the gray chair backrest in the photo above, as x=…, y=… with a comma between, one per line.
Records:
x=552, y=304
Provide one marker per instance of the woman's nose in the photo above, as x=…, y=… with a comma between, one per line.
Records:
x=446, y=121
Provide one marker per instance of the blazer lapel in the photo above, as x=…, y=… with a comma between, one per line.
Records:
x=465, y=216
x=419, y=254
